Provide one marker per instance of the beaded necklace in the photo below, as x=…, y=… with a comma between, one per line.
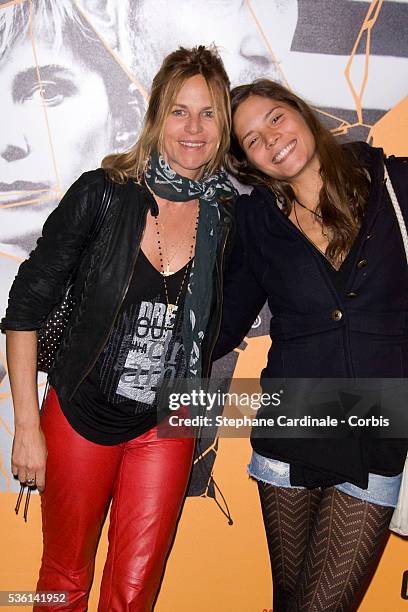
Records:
x=164, y=273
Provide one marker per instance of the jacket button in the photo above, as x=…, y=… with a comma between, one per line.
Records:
x=352, y=294
x=369, y=236
x=336, y=315
x=362, y=263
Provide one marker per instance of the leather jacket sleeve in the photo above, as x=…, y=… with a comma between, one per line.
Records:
x=41, y=279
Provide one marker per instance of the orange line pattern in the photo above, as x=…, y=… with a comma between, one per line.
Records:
x=368, y=24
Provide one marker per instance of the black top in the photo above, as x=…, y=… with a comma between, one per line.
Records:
x=383, y=457
x=341, y=276
x=118, y=400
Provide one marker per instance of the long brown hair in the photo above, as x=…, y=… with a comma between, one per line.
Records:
x=176, y=68
x=345, y=186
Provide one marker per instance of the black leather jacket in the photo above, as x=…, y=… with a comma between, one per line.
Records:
x=103, y=278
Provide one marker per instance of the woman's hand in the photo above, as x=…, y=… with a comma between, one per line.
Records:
x=29, y=456
x=29, y=452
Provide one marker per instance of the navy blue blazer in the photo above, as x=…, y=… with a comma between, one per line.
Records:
x=318, y=329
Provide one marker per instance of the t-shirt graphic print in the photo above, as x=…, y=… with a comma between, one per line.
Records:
x=144, y=350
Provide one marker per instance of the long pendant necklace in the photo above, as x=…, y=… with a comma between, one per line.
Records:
x=313, y=212
x=166, y=250
x=167, y=271
x=301, y=229
x=336, y=267
x=170, y=305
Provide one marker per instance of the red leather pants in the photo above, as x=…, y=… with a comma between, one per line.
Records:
x=146, y=480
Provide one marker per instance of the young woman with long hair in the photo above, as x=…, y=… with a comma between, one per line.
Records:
x=319, y=240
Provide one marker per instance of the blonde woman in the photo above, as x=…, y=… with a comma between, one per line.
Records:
x=148, y=312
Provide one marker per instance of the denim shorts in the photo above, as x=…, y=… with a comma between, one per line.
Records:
x=381, y=490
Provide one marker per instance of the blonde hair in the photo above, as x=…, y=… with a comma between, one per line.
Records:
x=176, y=68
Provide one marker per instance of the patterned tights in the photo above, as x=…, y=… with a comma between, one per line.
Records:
x=322, y=545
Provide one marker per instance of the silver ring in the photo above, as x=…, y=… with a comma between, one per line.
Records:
x=30, y=482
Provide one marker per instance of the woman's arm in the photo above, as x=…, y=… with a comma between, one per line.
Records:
x=37, y=288
x=41, y=279
x=243, y=296
x=29, y=452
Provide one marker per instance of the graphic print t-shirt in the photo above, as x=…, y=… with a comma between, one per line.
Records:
x=118, y=400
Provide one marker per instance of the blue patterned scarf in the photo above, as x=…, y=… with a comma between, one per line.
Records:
x=167, y=184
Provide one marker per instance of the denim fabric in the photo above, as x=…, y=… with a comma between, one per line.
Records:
x=382, y=490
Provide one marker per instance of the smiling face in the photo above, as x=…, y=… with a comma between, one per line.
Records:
x=275, y=138
x=191, y=133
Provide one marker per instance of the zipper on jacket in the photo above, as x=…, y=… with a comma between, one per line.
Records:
x=124, y=292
